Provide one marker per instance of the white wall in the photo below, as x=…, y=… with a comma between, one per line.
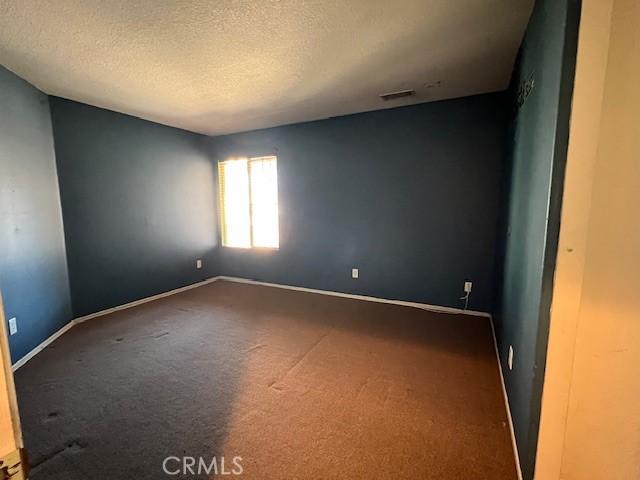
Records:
x=590, y=424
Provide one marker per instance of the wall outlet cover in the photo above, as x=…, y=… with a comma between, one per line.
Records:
x=355, y=273
x=467, y=287
x=510, y=359
x=13, y=326
x=198, y=263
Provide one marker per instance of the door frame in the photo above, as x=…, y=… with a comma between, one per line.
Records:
x=12, y=456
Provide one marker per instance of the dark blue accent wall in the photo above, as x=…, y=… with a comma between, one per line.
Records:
x=537, y=149
x=410, y=196
x=139, y=205
x=33, y=268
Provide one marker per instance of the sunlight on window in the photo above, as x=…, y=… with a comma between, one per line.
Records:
x=264, y=201
x=234, y=188
x=249, y=202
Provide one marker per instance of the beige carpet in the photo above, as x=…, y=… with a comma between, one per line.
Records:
x=298, y=385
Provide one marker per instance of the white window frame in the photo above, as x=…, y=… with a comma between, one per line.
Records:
x=221, y=204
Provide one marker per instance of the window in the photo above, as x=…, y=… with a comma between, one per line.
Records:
x=249, y=202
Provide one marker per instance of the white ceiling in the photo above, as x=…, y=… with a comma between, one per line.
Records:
x=232, y=65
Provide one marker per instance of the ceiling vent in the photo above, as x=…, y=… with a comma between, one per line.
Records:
x=395, y=95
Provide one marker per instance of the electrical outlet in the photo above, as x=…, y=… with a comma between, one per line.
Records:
x=199, y=264
x=13, y=326
x=355, y=273
x=467, y=287
x=510, y=359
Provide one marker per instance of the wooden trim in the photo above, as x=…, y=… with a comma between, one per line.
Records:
x=15, y=465
x=10, y=431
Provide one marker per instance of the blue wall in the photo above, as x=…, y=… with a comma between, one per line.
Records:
x=33, y=268
x=139, y=205
x=538, y=137
x=410, y=196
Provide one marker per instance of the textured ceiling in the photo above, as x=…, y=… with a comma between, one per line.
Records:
x=232, y=65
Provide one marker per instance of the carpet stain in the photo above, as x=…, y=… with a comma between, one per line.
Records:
x=52, y=417
x=72, y=447
x=275, y=387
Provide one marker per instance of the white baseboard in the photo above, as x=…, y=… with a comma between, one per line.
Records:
x=84, y=318
x=41, y=347
x=135, y=303
x=423, y=306
x=506, y=403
